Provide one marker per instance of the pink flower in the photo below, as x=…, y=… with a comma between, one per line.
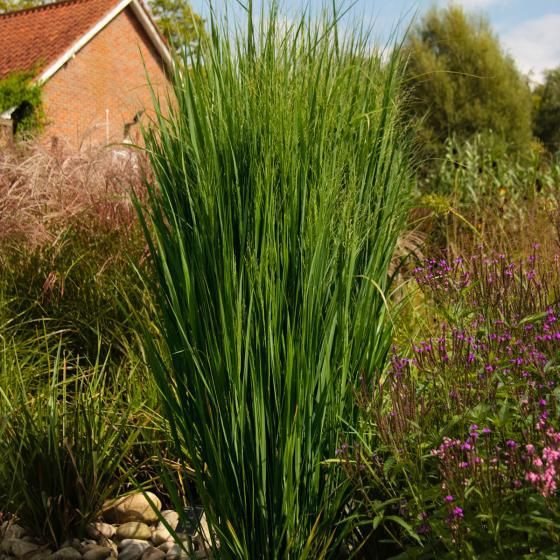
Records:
x=532, y=477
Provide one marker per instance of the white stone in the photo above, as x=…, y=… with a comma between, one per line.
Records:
x=42, y=554
x=152, y=553
x=6, y=546
x=132, y=549
x=134, y=507
x=98, y=530
x=97, y=552
x=159, y=536
x=177, y=552
x=134, y=530
x=67, y=553
x=166, y=546
x=20, y=547
x=171, y=517
x=74, y=543
x=86, y=545
x=203, y=531
x=14, y=531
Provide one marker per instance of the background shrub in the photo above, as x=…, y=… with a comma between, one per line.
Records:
x=546, y=121
x=18, y=90
x=462, y=83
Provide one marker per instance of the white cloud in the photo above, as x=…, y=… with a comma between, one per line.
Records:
x=535, y=44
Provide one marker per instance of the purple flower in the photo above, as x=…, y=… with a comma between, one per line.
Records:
x=449, y=498
x=458, y=512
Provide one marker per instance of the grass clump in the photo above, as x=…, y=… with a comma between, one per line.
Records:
x=66, y=435
x=281, y=179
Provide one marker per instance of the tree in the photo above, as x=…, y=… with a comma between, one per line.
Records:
x=546, y=123
x=462, y=83
x=12, y=5
x=178, y=22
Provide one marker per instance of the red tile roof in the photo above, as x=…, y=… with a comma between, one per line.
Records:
x=35, y=38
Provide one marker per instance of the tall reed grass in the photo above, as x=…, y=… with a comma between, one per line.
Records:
x=281, y=180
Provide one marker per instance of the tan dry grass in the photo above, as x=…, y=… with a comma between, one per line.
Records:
x=44, y=191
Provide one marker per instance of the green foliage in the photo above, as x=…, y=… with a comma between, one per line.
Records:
x=178, y=22
x=281, y=185
x=12, y=5
x=486, y=194
x=18, y=90
x=480, y=172
x=547, y=111
x=463, y=83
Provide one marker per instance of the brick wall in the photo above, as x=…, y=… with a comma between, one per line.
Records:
x=89, y=100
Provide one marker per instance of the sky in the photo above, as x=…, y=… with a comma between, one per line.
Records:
x=529, y=30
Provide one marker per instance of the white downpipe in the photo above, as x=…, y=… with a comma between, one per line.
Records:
x=107, y=126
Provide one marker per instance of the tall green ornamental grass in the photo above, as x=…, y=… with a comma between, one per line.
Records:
x=281, y=180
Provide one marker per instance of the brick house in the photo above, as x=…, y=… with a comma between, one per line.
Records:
x=93, y=58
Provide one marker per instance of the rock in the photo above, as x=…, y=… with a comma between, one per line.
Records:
x=152, y=553
x=180, y=552
x=127, y=542
x=98, y=530
x=166, y=546
x=159, y=536
x=134, y=507
x=20, y=547
x=171, y=517
x=6, y=546
x=203, y=531
x=132, y=549
x=66, y=553
x=177, y=552
x=134, y=530
x=14, y=531
x=97, y=552
x=86, y=545
x=110, y=544
x=41, y=554
x=74, y=543
x=200, y=549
